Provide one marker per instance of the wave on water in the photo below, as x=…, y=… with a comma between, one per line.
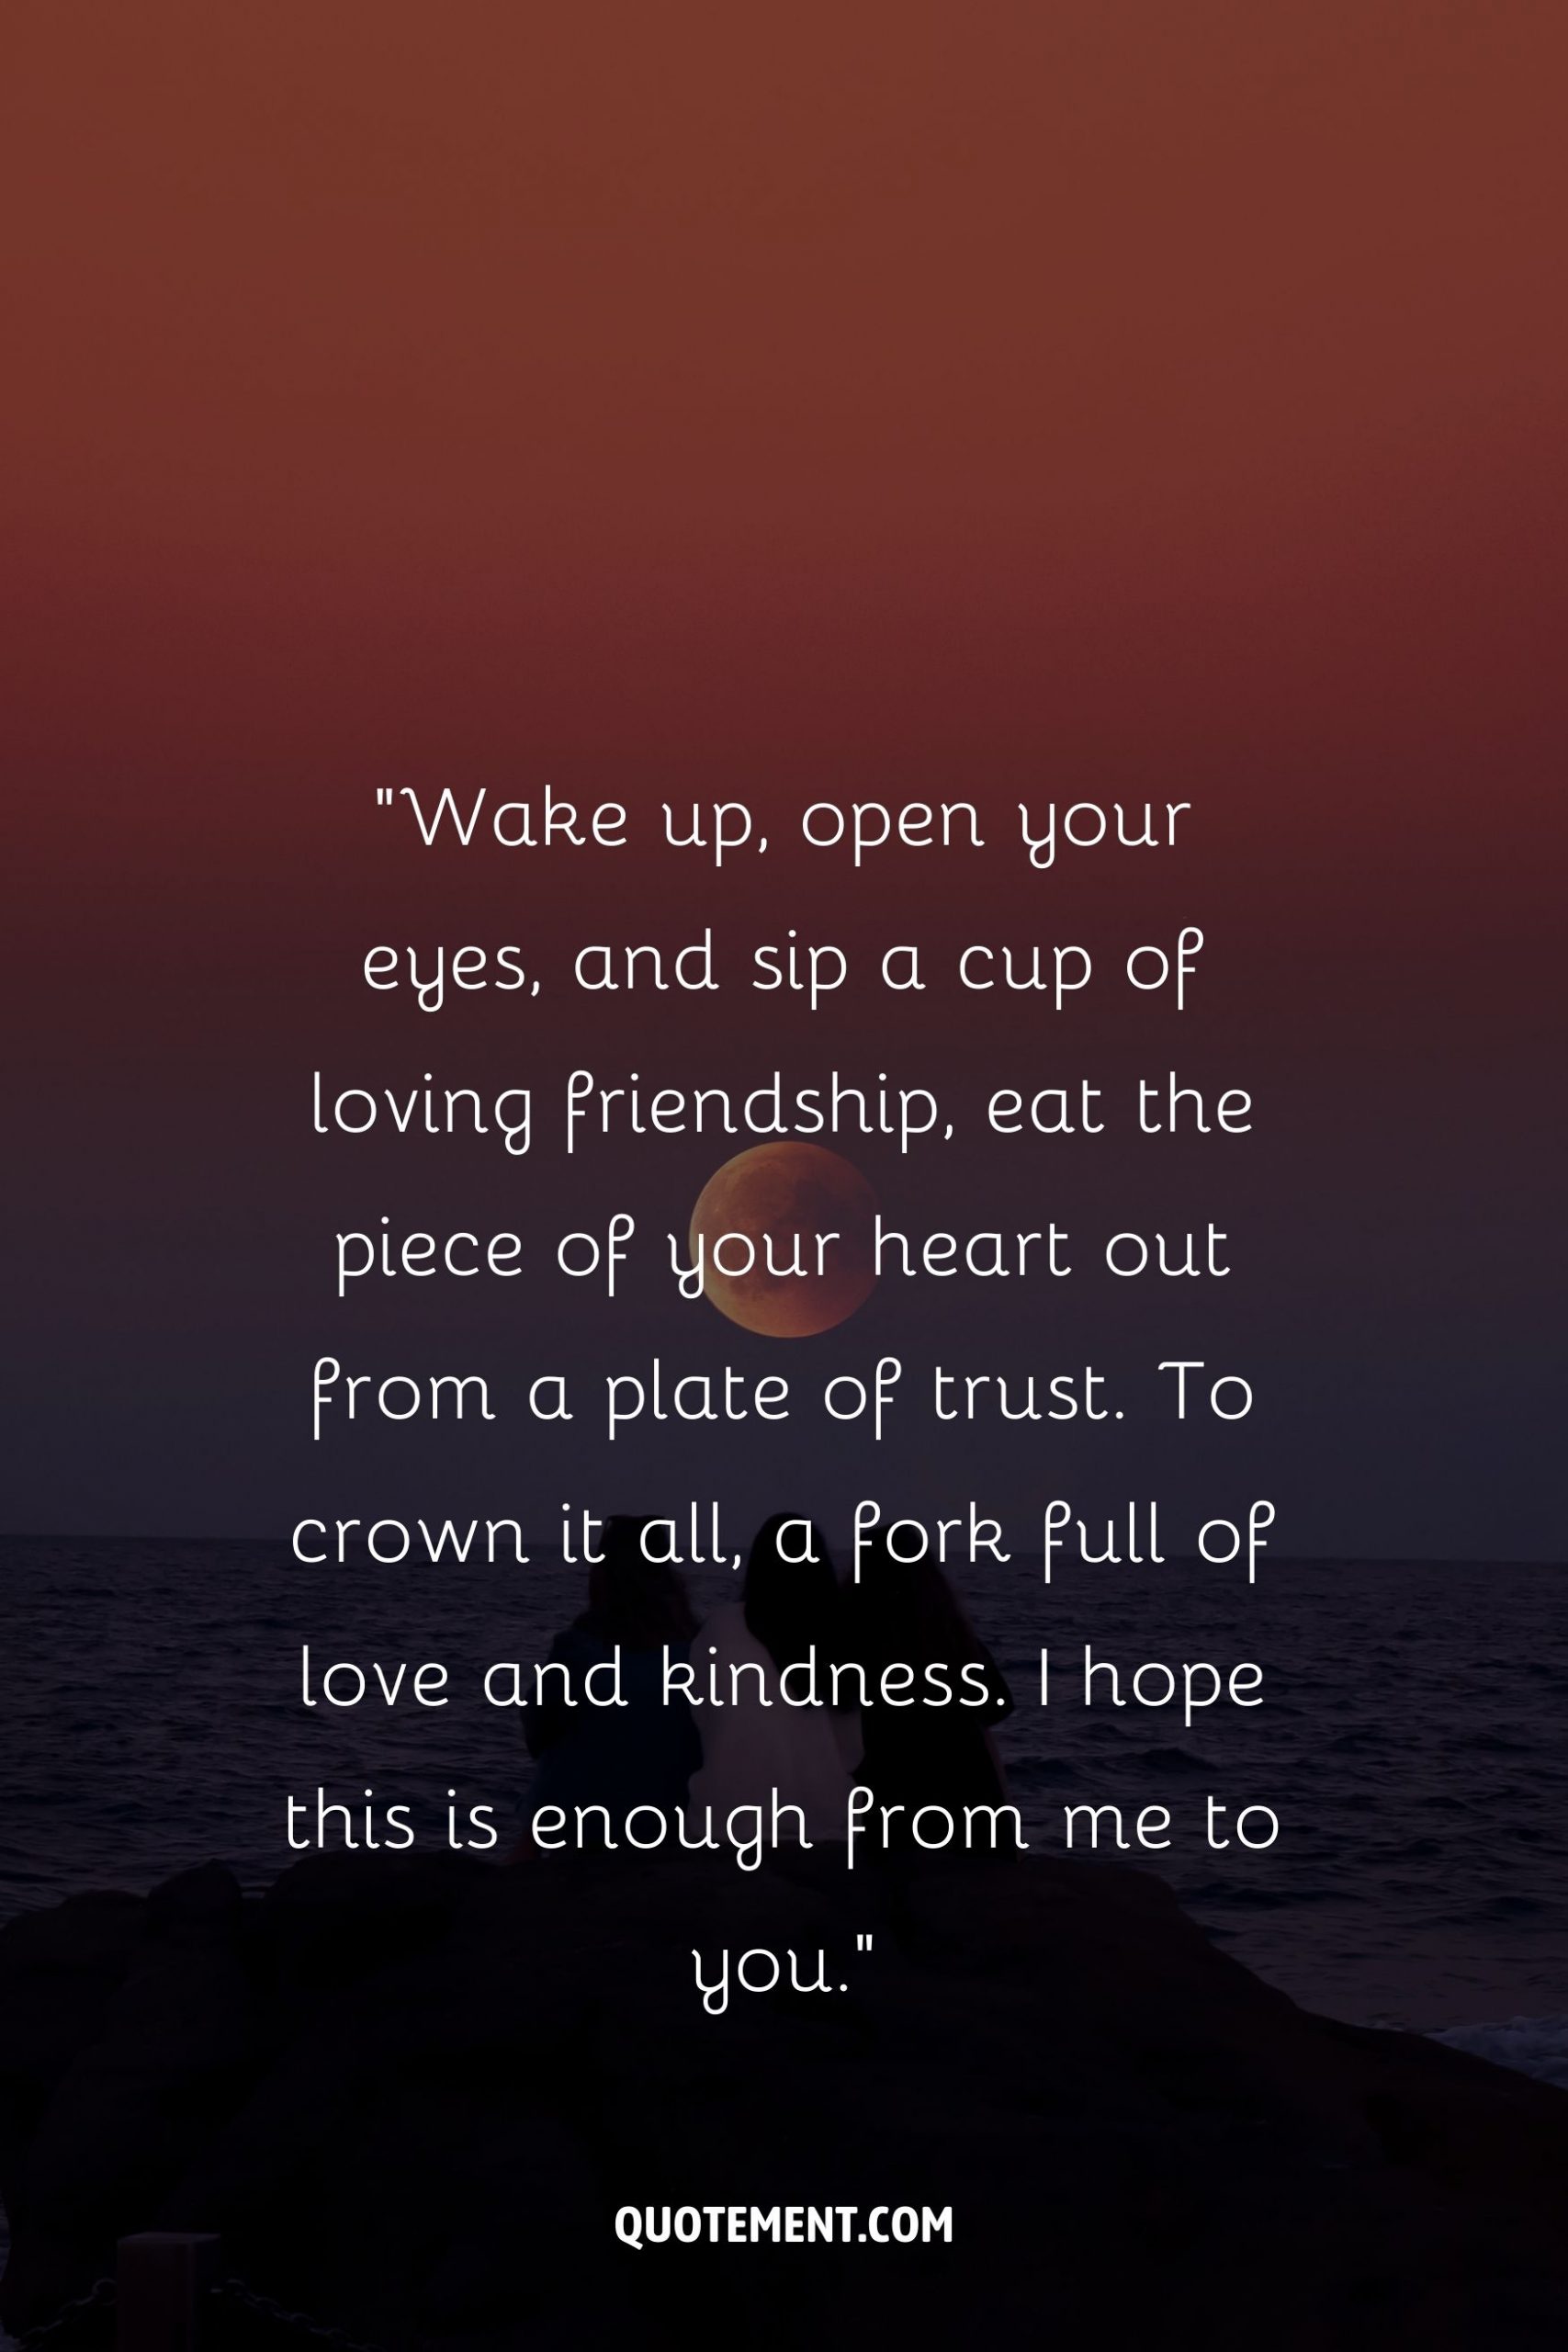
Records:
x=1537, y=2046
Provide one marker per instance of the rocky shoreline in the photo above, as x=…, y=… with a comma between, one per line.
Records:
x=410, y=2092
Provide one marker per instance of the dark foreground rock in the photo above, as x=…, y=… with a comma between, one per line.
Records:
x=410, y=2095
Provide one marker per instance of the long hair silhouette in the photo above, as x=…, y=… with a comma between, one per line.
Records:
x=791, y=1605
x=636, y=1602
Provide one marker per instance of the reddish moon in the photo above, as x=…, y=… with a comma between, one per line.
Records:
x=761, y=1214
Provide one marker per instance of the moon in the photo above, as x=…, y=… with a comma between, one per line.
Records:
x=761, y=1213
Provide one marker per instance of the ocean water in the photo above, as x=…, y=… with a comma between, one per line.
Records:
x=1411, y=1740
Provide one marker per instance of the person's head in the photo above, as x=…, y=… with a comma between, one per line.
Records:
x=905, y=1609
x=639, y=1603
x=792, y=1593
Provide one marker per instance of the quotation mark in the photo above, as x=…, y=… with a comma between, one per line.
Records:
x=383, y=796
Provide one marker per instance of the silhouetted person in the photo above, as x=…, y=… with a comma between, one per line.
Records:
x=618, y=1756
x=756, y=1650
x=906, y=1613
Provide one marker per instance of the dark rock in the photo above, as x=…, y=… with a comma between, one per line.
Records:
x=410, y=2094
x=59, y=1971
x=158, y=2053
x=200, y=1910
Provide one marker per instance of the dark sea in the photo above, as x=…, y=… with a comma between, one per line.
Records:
x=1413, y=1741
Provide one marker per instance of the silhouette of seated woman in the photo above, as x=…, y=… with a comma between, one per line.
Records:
x=643, y=1752
x=756, y=1742
x=905, y=1613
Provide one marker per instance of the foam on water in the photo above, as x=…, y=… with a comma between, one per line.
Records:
x=1537, y=2046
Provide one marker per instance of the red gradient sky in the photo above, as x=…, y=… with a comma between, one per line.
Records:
x=1069, y=400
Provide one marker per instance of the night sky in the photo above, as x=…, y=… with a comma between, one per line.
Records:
x=1092, y=402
